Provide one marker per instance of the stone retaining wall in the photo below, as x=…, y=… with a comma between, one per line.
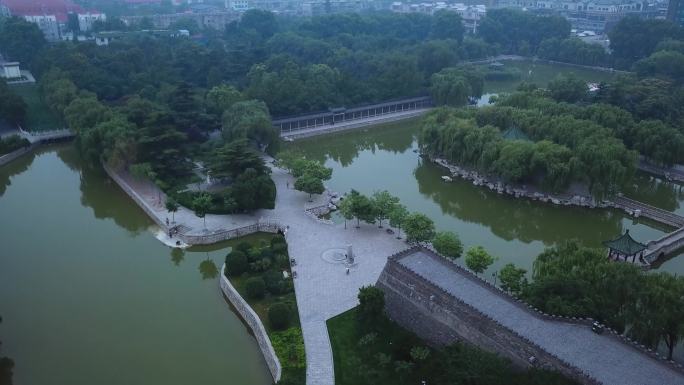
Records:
x=442, y=319
x=254, y=323
x=404, y=305
x=191, y=239
x=15, y=154
x=134, y=195
x=266, y=227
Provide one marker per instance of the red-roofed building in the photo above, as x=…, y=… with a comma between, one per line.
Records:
x=50, y=15
x=59, y=8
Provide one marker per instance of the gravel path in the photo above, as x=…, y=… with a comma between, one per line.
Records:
x=603, y=357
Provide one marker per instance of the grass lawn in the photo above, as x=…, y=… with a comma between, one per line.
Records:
x=391, y=355
x=38, y=116
x=350, y=356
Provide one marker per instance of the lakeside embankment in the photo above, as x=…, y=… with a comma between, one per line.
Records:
x=656, y=249
x=254, y=322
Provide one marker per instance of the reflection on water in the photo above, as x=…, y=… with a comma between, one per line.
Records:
x=177, y=256
x=515, y=230
x=541, y=74
x=208, y=269
x=658, y=192
x=510, y=218
x=95, y=298
x=14, y=168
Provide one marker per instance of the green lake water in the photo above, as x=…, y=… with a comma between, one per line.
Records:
x=90, y=296
x=386, y=158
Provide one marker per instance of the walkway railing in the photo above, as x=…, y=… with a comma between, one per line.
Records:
x=222, y=235
x=42, y=136
x=650, y=212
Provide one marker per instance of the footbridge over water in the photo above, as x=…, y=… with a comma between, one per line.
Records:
x=47, y=136
x=665, y=245
x=337, y=119
x=444, y=303
x=640, y=209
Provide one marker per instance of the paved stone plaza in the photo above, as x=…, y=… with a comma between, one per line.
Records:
x=323, y=289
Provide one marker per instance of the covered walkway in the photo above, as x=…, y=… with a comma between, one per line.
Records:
x=290, y=125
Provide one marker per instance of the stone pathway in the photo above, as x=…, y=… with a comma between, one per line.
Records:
x=323, y=289
x=601, y=356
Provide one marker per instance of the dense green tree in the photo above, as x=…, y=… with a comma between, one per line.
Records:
x=252, y=191
x=398, y=216
x=84, y=113
x=568, y=148
x=255, y=287
x=309, y=184
x=12, y=143
x=478, y=259
x=668, y=65
x=171, y=206
x=361, y=207
x=447, y=25
x=263, y=22
x=186, y=112
x=568, y=88
x=658, y=312
x=300, y=166
x=221, y=98
x=113, y=140
x=371, y=305
x=634, y=38
x=58, y=92
x=236, y=263
x=657, y=141
x=251, y=120
x=453, y=86
x=514, y=160
x=233, y=158
x=512, y=279
x=346, y=209
x=20, y=40
x=165, y=148
x=573, y=50
x=434, y=55
x=419, y=228
x=201, y=205
x=279, y=316
x=12, y=106
x=383, y=203
x=448, y=244
x=502, y=27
